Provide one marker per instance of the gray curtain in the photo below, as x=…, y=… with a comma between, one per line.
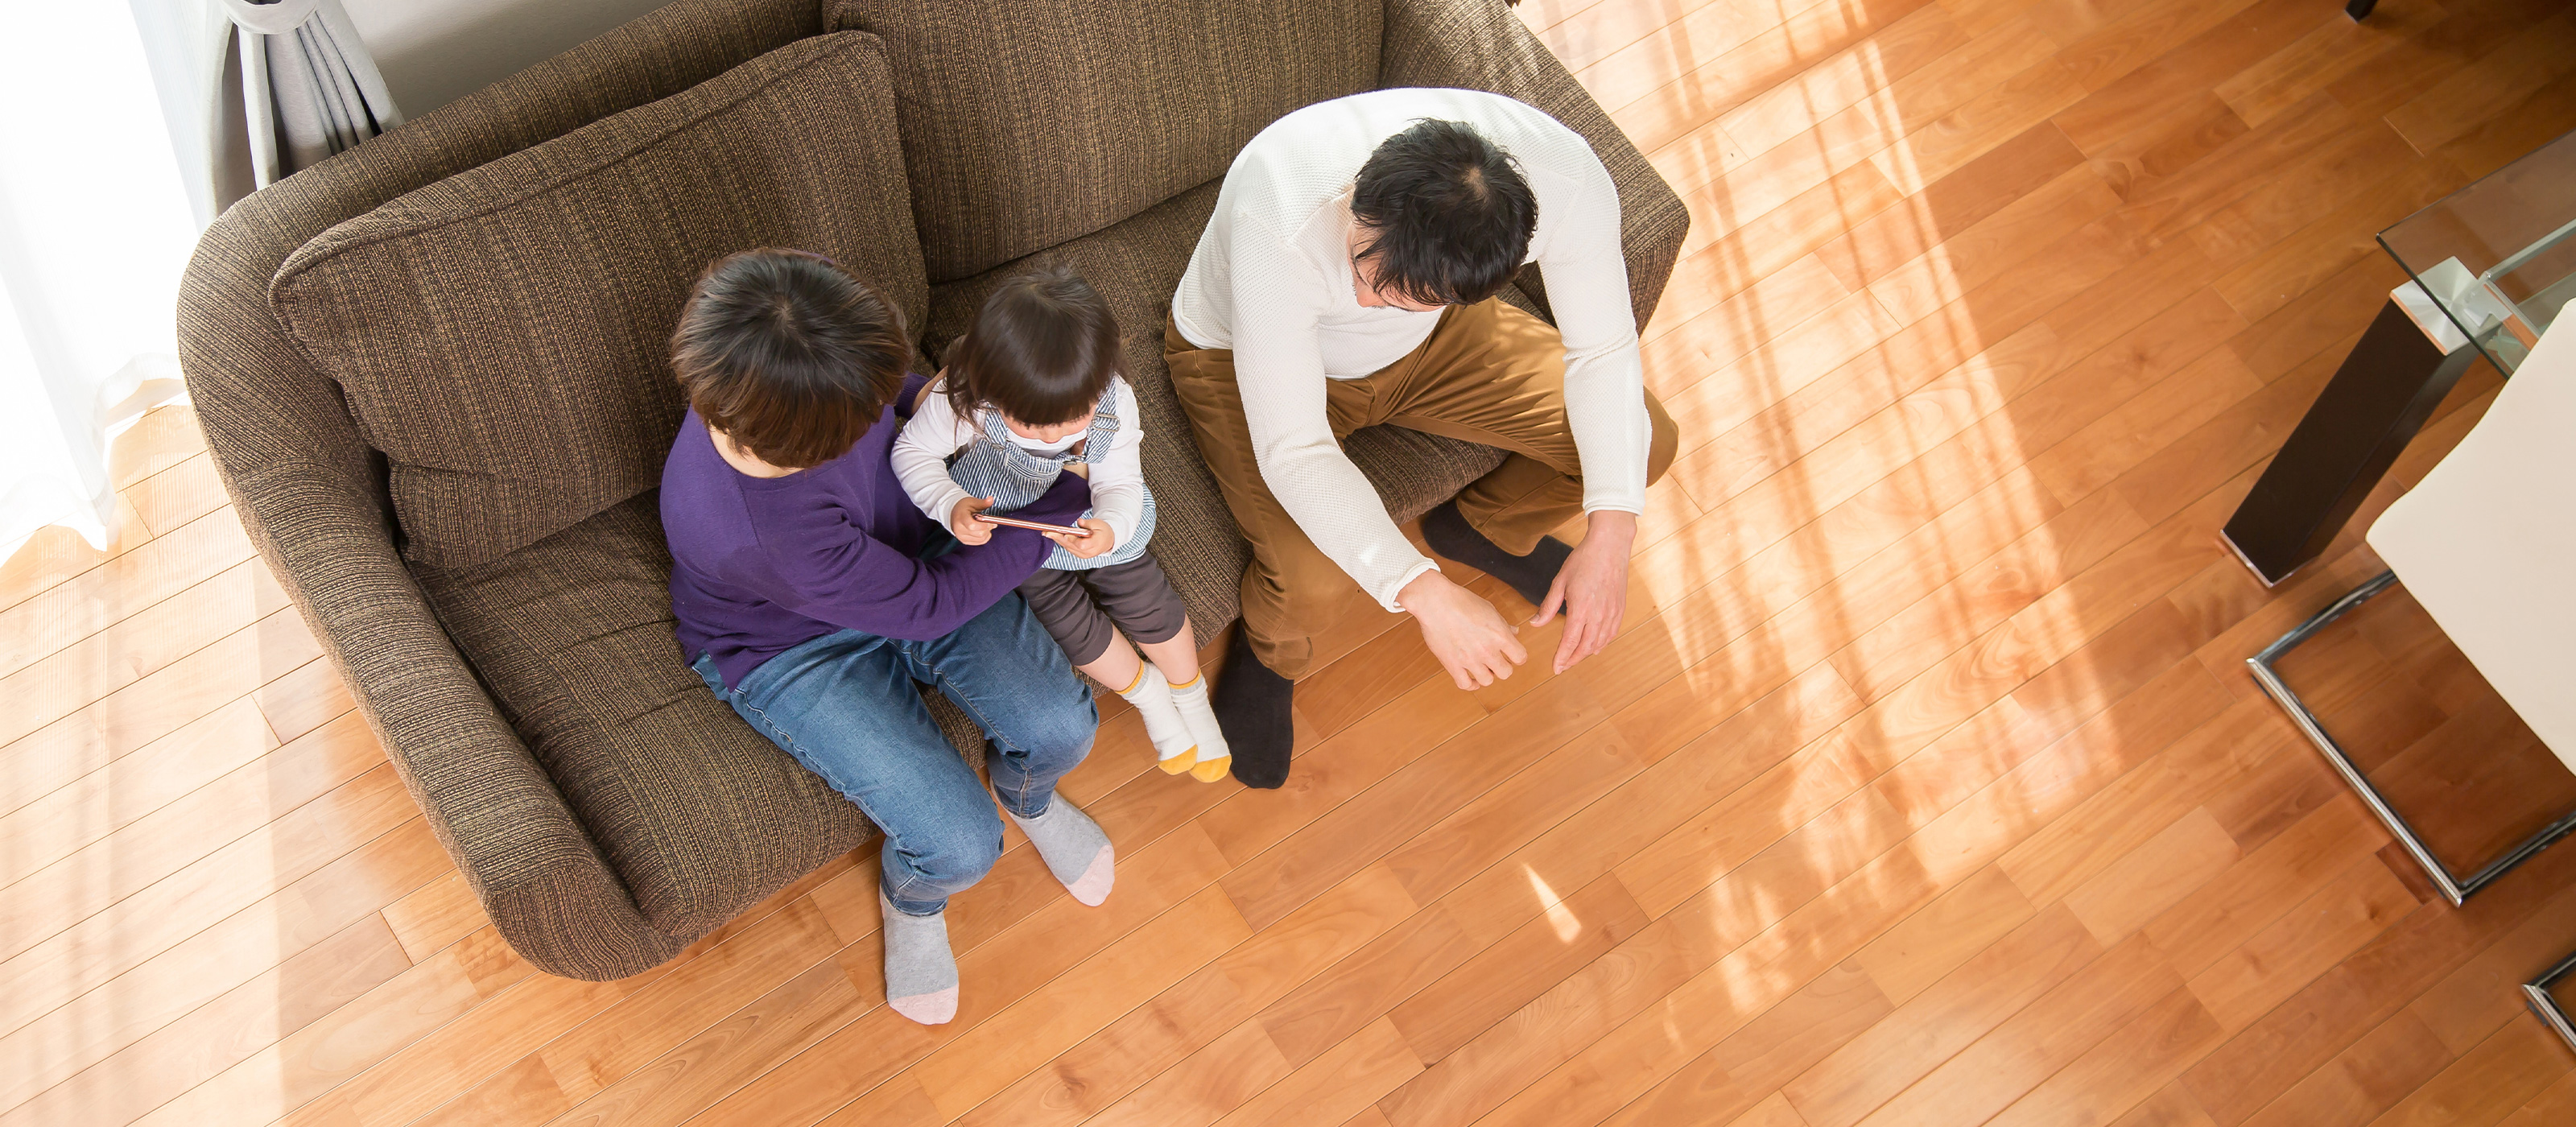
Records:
x=309, y=88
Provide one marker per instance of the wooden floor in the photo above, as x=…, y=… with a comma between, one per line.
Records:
x=1923, y=786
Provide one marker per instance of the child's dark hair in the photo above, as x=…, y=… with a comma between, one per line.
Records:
x=1042, y=350
x=788, y=355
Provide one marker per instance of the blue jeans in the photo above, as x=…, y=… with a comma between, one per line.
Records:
x=845, y=706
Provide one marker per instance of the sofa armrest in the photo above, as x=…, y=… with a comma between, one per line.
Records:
x=540, y=877
x=1480, y=45
x=308, y=491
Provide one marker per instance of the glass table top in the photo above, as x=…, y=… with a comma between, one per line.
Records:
x=2493, y=263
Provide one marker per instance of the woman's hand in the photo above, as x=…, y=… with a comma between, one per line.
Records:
x=1098, y=543
x=963, y=525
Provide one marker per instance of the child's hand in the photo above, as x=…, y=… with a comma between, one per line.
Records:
x=1085, y=547
x=963, y=525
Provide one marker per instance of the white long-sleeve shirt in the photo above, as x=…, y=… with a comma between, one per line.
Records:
x=921, y=453
x=1272, y=281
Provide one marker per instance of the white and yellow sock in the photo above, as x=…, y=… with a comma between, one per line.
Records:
x=1174, y=750
x=1214, y=756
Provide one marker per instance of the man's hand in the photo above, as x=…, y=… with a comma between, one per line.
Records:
x=963, y=525
x=1592, y=587
x=1466, y=633
x=1085, y=547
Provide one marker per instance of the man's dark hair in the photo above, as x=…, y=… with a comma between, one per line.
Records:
x=788, y=355
x=1042, y=350
x=1446, y=214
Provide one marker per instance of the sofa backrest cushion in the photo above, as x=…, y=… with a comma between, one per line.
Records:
x=1026, y=125
x=503, y=335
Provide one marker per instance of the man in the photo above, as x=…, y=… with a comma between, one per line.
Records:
x=812, y=595
x=1348, y=278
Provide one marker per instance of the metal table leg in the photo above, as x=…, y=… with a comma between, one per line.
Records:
x=2453, y=888
x=2536, y=995
x=2360, y=422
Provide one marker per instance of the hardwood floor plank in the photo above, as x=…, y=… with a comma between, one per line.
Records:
x=108, y=943
x=987, y=1058
x=2489, y=86
x=1735, y=1075
x=1883, y=41
x=2182, y=859
x=136, y=854
x=2055, y=1030
x=522, y=1094
x=2349, y=911
x=713, y=1064
x=2315, y=60
x=1356, y=833
x=1923, y=950
x=1344, y=1081
x=178, y=495
x=2487, y=1083
x=2262, y=885
x=81, y=673
x=2546, y=113
x=2553, y=1104
x=1582, y=926
x=1867, y=1071
x=119, y=588
x=2362, y=1081
x=2160, y=54
x=284, y=1076
x=1192, y=1015
x=2485, y=993
x=1921, y=783
x=1872, y=246
x=2357, y=994
x=227, y=1030
x=153, y=706
x=435, y=915
x=1203, y=1087
x=91, y=1026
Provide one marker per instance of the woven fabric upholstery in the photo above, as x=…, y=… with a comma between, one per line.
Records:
x=503, y=334
x=312, y=496
x=697, y=812
x=1136, y=265
x=567, y=802
x=1029, y=124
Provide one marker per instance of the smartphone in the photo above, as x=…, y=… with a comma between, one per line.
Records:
x=1034, y=526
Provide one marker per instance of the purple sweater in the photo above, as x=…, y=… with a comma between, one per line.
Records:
x=759, y=565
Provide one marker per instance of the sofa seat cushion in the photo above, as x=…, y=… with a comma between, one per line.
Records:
x=697, y=813
x=1136, y=265
x=503, y=335
x=1026, y=125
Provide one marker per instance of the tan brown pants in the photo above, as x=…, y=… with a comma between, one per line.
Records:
x=1489, y=374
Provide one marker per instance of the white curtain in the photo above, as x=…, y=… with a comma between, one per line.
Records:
x=311, y=89
x=96, y=223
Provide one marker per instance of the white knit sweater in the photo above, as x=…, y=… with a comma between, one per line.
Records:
x=1271, y=280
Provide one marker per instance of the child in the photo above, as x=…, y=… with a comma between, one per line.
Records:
x=1031, y=388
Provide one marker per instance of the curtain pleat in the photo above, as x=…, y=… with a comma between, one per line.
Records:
x=310, y=89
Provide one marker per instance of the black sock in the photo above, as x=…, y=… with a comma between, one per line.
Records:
x=1531, y=575
x=1252, y=708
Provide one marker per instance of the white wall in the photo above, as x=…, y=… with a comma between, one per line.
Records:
x=433, y=52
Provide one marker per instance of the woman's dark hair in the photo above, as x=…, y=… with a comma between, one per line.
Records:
x=1041, y=351
x=788, y=355
x=1447, y=216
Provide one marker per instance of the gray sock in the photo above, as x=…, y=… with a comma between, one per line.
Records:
x=1074, y=848
x=920, y=971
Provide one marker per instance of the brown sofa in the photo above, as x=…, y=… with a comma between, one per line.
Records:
x=431, y=372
